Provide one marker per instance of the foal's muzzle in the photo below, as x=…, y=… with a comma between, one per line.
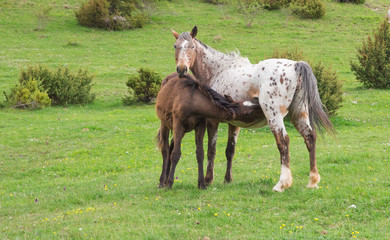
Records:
x=181, y=70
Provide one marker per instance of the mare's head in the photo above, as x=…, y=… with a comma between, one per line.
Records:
x=185, y=51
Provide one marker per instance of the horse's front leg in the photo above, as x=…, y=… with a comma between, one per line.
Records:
x=212, y=129
x=199, y=135
x=230, y=150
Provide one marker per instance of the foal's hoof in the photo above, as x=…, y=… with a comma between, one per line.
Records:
x=312, y=186
x=208, y=181
x=228, y=179
x=202, y=186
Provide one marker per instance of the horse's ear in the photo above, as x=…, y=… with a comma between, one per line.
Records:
x=175, y=34
x=229, y=99
x=194, y=31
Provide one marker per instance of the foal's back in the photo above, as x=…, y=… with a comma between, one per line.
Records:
x=184, y=100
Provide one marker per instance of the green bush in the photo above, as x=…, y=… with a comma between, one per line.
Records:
x=373, y=66
x=112, y=14
x=308, y=8
x=62, y=86
x=27, y=94
x=275, y=4
x=329, y=86
x=143, y=87
x=352, y=1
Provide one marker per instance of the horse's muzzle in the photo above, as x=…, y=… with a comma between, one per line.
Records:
x=181, y=71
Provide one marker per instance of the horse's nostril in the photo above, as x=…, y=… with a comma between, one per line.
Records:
x=185, y=69
x=177, y=69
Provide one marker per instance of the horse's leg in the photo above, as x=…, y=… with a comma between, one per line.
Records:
x=199, y=135
x=164, y=146
x=178, y=134
x=302, y=124
x=212, y=129
x=169, y=160
x=282, y=141
x=230, y=149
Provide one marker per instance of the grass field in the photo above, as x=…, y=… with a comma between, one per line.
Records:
x=91, y=172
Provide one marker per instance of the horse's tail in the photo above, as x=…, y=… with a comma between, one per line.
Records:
x=158, y=138
x=318, y=117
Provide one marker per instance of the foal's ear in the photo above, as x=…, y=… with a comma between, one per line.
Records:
x=175, y=34
x=194, y=31
x=229, y=99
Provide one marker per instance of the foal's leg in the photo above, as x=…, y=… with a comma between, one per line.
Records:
x=169, y=159
x=199, y=135
x=302, y=124
x=212, y=129
x=178, y=134
x=164, y=146
x=230, y=149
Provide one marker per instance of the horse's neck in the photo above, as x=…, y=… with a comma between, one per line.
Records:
x=208, y=64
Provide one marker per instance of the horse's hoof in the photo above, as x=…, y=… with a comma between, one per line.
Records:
x=208, y=181
x=228, y=180
x=161, y=185
x=204, y=187
x=312, y=186
x=277, y=188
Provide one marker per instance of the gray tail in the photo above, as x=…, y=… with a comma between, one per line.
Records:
x=317, y=115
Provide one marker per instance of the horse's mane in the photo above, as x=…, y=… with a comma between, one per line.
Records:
x=216, y=98
x=231, y=56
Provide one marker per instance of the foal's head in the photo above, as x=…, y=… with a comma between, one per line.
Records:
x=185, y=51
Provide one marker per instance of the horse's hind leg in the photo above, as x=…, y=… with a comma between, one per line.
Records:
x=212, y=129
x=302, y=124
x=178, y=134
x=230, y=150
x=199, y=135
x=164, y=146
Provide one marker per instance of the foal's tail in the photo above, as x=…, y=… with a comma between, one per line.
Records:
x=318, y=117
x=159, y=140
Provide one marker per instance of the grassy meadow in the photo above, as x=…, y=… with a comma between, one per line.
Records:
x=91, y=172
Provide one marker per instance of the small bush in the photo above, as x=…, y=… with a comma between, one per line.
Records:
x=373, y=66
x=112, y=14
x=329, y=87
x=62, y=86
x=143, y=87
x=27, y=94
x=308, y=8
x=352, y=1
x=275, y=4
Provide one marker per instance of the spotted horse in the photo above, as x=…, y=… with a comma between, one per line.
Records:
x=281, y=86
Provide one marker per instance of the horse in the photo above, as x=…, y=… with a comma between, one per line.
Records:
x=281, y=86
x=182, y=105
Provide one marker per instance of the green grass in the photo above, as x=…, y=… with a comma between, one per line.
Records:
x=91, y=172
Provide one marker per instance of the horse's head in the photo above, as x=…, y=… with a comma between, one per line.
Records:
x=185, y=51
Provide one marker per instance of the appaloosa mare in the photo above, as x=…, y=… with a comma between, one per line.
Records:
x=182, y=106
x=282, y=86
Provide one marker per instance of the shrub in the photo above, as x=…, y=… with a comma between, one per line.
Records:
x=275, y=4
x=112, y=14
x=62, y=86
x=308, y=8
x=352, y=1
x=143, y=87
x=250, y=9
x=373, y=66
x=329, y=87
x=27, y=94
